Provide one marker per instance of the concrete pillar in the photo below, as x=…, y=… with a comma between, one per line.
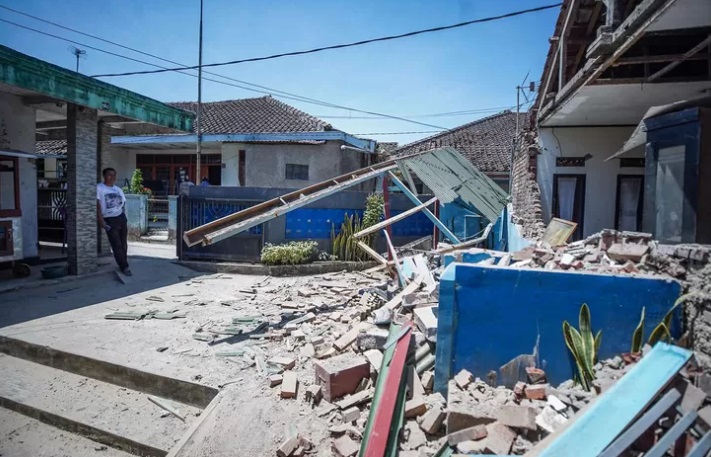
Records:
x=82, y=157
x=105, y=160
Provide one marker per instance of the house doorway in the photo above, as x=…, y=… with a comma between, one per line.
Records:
x=569, y=200
x=628, y=207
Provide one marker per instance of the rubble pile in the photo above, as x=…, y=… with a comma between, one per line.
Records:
x=614, y=252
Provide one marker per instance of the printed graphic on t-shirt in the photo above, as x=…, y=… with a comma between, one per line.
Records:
x=113, y=202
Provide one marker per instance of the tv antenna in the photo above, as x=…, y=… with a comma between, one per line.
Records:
x=78, y=53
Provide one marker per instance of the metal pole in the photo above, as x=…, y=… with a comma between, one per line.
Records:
x=77, y=54
x=198, y=113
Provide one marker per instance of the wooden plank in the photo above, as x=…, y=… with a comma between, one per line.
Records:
x=673, y=434
x=695, y=50
x=466, y=244
x=394, y=219
x=613, y=411
x=371, y=252
x=380, y=430
x=647, y=420
x=391, y=248
x=413, y=198
x=409, y=289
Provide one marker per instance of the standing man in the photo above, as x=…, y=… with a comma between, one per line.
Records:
x=109, y=209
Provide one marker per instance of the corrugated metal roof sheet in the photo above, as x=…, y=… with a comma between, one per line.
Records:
x=451, y=176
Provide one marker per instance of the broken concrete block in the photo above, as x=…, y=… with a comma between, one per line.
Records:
x=499, y=439
x=476, y=433
x=375, y=357
x=624, y=252
x=313, y=393
x=288, y=447
x=427, y=380
x=344, y=447
x=432, y=421
x=351, y=414
x=341, y=375
x=549, y=420
x=415, y=407
x=536, y=392
x=536, y=375
x=382, y=315
x=373, y=338
x=275, y=380
x=414, y=386
x=518, y=416
x=463, y=379
x=288, y=363
x=289, y=385
x=356, y=399
x=519, y=388
x=566, y=261
x=692, y=397
x=347, y=339
x=464, y=411
x=426, y=321
x=470, y=447
x=556, y=403
x=414, y=436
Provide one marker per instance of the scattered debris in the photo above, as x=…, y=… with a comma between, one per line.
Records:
x=289, y=385
x=163, y=404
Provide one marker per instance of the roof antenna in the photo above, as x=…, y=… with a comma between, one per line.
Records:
x=78, y=53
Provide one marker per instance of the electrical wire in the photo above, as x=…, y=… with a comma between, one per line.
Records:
x=298, y=98
x=410, y=116
x=345, y=45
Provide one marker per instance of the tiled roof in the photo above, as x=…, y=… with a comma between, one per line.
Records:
x=486, y=142
x=253, y=115
x=51, y=147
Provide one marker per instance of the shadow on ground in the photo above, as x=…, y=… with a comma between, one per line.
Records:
x=148, y=273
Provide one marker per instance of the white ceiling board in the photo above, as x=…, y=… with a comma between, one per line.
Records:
x=684, y=14
x=621, y=104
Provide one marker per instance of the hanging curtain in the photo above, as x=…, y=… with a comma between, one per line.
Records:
x=630, y=190
x=566, y=198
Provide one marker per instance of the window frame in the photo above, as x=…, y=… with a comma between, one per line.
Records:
x=296, y=171
x=640, y=203
x=17, y=212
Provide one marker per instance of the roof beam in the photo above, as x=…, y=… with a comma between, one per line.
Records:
x=686, y=56
x=413, y=198
x=244, y=220
x=50, y=125
x=30, y=100
x=394, y=219
x=48, y=80
x=638, y=60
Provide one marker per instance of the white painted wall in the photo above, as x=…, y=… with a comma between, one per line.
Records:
x=17, y=131
x=601, y=176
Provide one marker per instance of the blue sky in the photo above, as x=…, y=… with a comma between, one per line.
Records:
x=471, y=68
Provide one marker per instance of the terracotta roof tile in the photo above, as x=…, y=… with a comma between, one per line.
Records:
x=253, y=115
x=486, y=142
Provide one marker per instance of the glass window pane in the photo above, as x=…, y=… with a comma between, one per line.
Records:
x=670, y=193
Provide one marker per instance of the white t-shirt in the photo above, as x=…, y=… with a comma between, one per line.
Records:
x=111, y=200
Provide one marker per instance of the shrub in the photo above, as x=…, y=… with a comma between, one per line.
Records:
x=293, y=253
x=344, y=244
x=136, y=185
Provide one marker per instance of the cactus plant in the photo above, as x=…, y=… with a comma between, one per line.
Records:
x=345, y=246
x=661, y=332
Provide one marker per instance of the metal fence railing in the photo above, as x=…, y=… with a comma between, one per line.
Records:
x=158, y=213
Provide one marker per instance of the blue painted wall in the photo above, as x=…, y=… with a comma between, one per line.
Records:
x=490, y=315
x=464, y=223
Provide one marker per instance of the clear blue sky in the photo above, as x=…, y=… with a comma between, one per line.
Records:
x=476, y=67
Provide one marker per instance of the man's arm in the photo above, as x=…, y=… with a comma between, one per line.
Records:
x=99, y=216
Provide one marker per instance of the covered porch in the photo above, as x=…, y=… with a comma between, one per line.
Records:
x=35, y=96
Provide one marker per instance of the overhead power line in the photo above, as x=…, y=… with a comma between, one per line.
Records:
x=345, y=45
x=295, y=97
x=410, y=116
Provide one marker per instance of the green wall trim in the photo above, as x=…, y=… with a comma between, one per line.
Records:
x=26, y=72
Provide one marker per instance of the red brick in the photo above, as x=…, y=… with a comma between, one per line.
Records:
x=536, y=391
x=519, y=388
x=289, y=385
x=518, y=416
x=415, y=407
x=340, y=375
x=432, y=421
x=536, y=375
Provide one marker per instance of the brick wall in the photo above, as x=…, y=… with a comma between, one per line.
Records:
x=526, y=196
x=82, y=142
